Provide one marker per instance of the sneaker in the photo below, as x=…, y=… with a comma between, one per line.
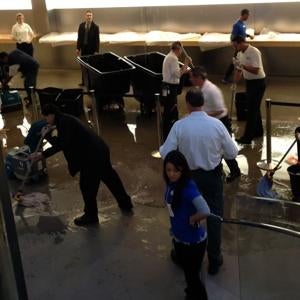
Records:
x=86, y=220
x=232, y=176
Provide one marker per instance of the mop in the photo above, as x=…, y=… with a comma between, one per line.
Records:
x=35, y=198
x=264, y=187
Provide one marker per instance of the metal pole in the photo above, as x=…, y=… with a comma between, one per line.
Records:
x=156, y=153
x=35, y=109
x=11, y=232
x=268, y=131
x=95, y=112
x=158, y=119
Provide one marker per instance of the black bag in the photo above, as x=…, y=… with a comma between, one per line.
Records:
x=241, y=105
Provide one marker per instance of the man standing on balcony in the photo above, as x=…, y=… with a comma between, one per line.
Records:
x=238, y=29
x=88, y=39
x=171, y=72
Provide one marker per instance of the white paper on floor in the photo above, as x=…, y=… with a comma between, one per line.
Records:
x=34, y=199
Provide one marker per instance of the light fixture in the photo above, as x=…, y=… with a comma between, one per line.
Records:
x=58, y=4
x=15, y=5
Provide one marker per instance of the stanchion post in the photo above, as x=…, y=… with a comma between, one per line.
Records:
x=11, y=232
x=156, y=154
x=35, y=110
x=269, y=131
x=95, y=112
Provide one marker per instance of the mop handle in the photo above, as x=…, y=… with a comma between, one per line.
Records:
x=283, y=157
x=187, y=56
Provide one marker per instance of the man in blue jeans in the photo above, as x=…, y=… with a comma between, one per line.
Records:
x=19, y=61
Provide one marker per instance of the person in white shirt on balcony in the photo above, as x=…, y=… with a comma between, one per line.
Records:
x=23, y=35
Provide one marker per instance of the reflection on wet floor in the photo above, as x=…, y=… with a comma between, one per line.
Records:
x=128, y=258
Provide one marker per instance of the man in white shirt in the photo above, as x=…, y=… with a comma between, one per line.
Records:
x=171, y=72
x=214, y=106
x=204, y=141
x=249, y=65
x=23, y=35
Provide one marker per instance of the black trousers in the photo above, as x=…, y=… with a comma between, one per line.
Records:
x=25, y=47
x=255, y=91
x=170, y=114
x=90, y=178
x=210, y=184
x=190, y=258
x=86, y=50
x=231, y=163
x=30, y=79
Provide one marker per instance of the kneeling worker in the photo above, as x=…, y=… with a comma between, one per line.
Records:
x=88, y=154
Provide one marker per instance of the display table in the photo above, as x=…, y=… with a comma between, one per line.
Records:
x=207, y=41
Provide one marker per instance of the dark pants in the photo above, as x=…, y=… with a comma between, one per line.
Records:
x=255, y=91
x=170, y=114
x=210, y=184
x=30, y=79
x=25, y=47
x=90, y=178
x=231, y=163
x=190, y=258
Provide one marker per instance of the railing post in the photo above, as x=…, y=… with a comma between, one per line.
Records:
x=158, y=119
x=269, y=131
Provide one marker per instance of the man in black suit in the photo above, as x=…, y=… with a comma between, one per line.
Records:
x=88, y=154
x=88, y=39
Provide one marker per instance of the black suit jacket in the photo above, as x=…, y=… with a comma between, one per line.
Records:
x=93, y=40
x=81, y=146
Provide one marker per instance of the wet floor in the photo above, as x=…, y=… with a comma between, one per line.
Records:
x=128, y=257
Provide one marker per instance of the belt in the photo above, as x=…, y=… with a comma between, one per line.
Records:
x=187, y=243
x=213, y=170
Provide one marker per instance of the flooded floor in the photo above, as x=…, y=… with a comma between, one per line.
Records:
x=128, y=257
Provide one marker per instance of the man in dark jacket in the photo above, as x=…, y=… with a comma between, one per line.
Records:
x=88, y=39
x=19, y=61
x=88, y=154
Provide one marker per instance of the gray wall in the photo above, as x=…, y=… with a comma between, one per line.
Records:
x=282, y=17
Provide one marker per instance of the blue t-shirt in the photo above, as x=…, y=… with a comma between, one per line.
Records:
x=238, y=29
x=180, y=224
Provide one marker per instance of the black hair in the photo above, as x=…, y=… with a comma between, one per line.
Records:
x=245, y=12
x=50, y=109
x=194, y=97
x=176, y=45
x=199, y=71
x=177, y=159
x=238, y=39
x=3, y=55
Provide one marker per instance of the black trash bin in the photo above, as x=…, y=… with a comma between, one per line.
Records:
x=69, y=101
x=294, y=172
x=108, y=74
x=147, y=78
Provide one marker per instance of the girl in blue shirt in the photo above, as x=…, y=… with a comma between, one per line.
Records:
x=187, y=208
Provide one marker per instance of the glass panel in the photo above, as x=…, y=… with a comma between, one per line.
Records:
x=269, y=264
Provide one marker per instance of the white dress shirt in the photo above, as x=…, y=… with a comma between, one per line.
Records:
x=213, y=99
x=22, y=33
x=171, y=70
x=202, y=139
x=251, y=57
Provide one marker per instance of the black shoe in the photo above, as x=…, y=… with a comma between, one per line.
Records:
x=244, y=140
x=214, y=266
x=232, y=176
x=85, y=220
x=127, y=212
